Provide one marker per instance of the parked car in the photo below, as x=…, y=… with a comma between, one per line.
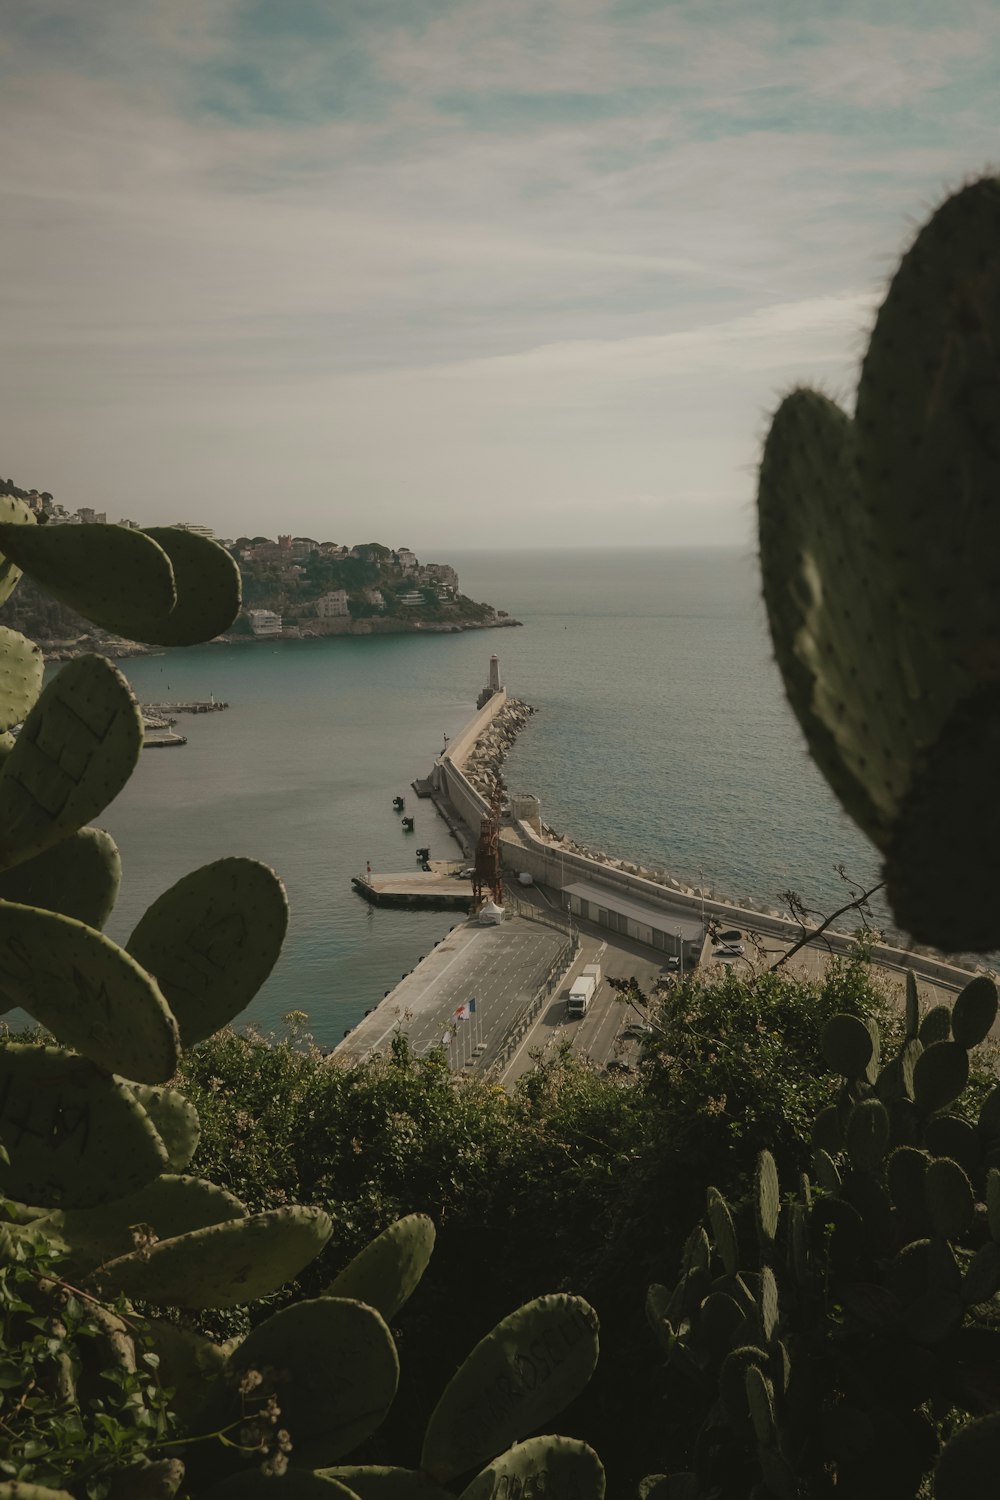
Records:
x=730, y=950
x=637, y=1031
x=731, y=935
x=672, y=963
x=617, y=1066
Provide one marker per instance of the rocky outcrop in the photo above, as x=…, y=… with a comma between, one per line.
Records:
x=484, y=761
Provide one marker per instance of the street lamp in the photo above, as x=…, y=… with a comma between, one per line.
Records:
x=680, y=950
x=701, y=887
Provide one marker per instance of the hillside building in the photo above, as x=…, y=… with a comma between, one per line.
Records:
x=264, y=622
x=333, y=605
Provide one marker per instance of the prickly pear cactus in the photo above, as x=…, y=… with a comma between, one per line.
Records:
x=880, y=556
x=902, y=1238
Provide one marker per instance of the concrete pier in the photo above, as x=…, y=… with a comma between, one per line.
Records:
x=438, y=888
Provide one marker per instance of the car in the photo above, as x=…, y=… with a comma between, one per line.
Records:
x=636, y=1031
x=617, y=1066
x=729, y=950
x=671, y=963
x=731, y=935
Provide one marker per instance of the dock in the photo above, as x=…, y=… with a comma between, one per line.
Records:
x=436, y=889
x=163, y=741
x=164, y=710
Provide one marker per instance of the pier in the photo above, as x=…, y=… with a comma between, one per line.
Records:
x=436, y=889
x=164, y=710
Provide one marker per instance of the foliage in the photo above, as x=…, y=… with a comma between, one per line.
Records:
x=826, y=1347
x=73, y=1407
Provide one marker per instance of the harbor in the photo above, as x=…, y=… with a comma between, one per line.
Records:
x=641, y=923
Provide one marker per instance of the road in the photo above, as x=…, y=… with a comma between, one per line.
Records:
x=503, y=967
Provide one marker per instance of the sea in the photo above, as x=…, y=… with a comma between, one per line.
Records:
x=661, y=735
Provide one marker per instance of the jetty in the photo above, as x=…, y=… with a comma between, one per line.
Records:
x=438, y=889
x=163, y=741
x=164, y=710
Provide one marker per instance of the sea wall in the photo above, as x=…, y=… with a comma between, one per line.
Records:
x=448, y=776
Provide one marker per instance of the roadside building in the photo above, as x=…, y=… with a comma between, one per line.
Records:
x=374, y=597
x=264, y=622
x=333, y=605
x=412, y=599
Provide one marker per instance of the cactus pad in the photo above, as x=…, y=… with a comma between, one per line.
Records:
x=733, y=1381
x=532, y=1365
x=541, y=1466
x=982, y=1275
x=974, y=1012
x=723, y=1231
x=211, y=940
x=78, y=877
x=912, y=1008
x=936, y=1025
x=386, y=1272
x=114, y=576
x=170, y=1205
x=950, y=1135
x=353, y=1348
x=75, y=1136
x=87, y=991
x=939, y=1075
x=767, y=1198
x=967, y=1466
x=21, y=668
x=827, y=1131
x=847, y=1045
x=13, y=512
x=176, y=1121
x=760, y=1400
x=883, y=621
x=224, y=1265
x=208, y=587
x=950, y=1199
x=867, y=1134
x=74, y=754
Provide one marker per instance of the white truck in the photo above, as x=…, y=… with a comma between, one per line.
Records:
x=582, y=991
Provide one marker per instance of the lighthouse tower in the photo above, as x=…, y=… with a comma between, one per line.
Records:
x=492, y=686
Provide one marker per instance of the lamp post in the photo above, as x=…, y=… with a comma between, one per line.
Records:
x=701, y=887
x=680, y=951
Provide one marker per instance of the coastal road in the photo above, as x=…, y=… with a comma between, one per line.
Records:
x=503, y=967
x=598, y=1035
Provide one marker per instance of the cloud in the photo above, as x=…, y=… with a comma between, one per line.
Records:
x=557, y=257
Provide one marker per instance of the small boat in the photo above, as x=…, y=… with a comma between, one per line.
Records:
x=407, y=824
x=399, y=803
x=423, y=853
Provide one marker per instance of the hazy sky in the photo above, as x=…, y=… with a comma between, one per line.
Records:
x=511, y=271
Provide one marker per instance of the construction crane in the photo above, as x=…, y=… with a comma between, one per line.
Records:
x=487, y=876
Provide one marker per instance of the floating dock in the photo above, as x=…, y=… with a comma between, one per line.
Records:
x=437, y=889
x=163, y=710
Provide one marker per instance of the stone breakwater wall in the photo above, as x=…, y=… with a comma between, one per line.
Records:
x=484, y=761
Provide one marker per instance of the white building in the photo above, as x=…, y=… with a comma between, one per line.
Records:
x=194, y=526
x=333, y=605
x=374, y=597
x=412, y=599
x=264, y=621
x=407, y=560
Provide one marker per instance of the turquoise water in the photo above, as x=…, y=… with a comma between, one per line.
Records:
x=662, y=735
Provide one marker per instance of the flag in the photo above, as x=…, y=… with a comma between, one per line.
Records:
x=446, y=1039
x=471, y=1006
x=463, y=1012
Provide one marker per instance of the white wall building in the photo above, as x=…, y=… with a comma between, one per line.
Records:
x=333, y=605
x=264, y=621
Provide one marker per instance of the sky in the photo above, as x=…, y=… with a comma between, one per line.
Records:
x=464, y=273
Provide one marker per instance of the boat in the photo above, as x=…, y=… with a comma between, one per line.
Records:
x=407, y=824
x=423, y=853
x=399, y=803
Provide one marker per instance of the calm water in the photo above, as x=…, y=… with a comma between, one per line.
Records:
x=662, y=735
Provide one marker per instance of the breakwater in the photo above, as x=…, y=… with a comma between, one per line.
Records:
x=485, y=759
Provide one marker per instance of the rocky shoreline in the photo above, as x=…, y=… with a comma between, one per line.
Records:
x=484, y=762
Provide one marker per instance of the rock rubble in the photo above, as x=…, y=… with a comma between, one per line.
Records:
x=485, y=760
